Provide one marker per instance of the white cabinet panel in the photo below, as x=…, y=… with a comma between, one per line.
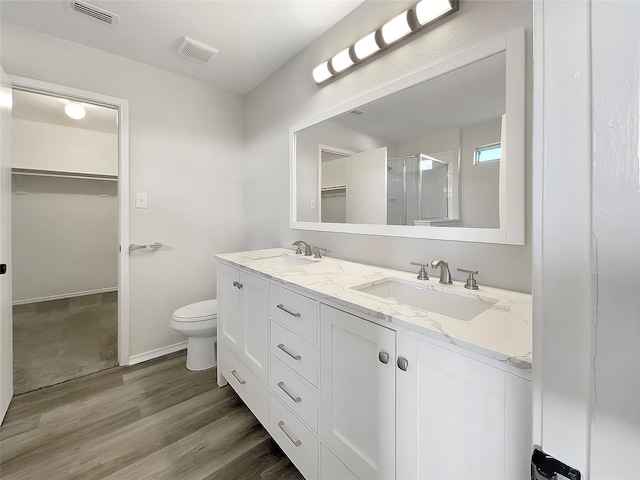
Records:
x=297, y=312
x=456, y=415
x=253, y=393
x=295, y=352
x=357, y=392
x=296, y=440
x=295, y=392
x=243, y=322
x=333, y=469
x=229, y=307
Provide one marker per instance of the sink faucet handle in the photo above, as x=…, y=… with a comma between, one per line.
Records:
x=422, y=274
x=445, y=274
x=298, y=248
x=471, y=281
x=317, y=254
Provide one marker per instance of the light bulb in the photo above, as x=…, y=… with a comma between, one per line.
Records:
x=366, y=46
x=396, y=28
x=429, y=10
x=75, y=111
x=322, y=72
x=341, y=61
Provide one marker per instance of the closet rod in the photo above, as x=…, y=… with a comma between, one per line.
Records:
x=53, y=173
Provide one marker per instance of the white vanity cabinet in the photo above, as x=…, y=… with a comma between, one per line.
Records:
x=346, y=397
x=243, y=322
x=459, y=417
x=357, y=392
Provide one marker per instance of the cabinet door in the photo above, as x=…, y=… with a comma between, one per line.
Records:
x=452, y=413
x=357, y=392
x=254, y=324
x=229, y=307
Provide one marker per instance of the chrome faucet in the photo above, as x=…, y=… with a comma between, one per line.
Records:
x=307, y=248
x=445, y=274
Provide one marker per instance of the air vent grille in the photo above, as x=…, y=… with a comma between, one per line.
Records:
x=94, y=12
x=195, y=50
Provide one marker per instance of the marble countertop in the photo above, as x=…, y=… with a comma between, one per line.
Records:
x=503, y=332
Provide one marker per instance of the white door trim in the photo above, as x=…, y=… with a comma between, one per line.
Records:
x=122, y=106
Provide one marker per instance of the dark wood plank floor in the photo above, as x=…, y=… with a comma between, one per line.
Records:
x=155, y=420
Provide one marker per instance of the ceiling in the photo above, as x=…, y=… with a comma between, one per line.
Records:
x=470, y=95
x=254, y=37
x=36, y=107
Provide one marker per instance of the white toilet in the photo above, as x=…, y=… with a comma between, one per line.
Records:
x=198, y=321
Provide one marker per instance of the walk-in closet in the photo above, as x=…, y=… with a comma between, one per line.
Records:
x=64, y=238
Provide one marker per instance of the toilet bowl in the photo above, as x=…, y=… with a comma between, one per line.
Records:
x=198, y=321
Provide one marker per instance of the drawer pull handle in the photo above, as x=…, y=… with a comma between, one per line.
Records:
x=284, y=389
x=403, y=364
x=383, y=357
x=283, y=348
x=293, y=314
x=235, y=374
x=237, y=284
x=294, y=440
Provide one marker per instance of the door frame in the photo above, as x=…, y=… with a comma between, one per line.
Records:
x=122, y=107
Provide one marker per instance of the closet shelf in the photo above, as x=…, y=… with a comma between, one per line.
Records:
x=54, y=173
x=334, y=189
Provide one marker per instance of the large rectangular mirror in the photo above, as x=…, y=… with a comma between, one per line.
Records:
x=438, y=154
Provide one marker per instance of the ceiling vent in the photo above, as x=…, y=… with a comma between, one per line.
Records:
x=96, y=13
x=195, y=50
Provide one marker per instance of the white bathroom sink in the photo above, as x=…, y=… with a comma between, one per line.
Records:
x=461, y=307
x=284, y=260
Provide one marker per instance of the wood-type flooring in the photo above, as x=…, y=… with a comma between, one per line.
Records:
x=155, y=420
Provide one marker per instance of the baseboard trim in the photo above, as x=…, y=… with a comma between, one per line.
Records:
x=65, y=295
x=158, y=352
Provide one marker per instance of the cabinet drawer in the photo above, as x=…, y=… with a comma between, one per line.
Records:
x=294, y=310
x=295, y=392
x=295, y=352
x=295, y=439
x=333, y=469
x=247, y=386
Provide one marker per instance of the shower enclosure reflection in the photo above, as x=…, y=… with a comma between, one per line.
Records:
x=370, y=187
x=419, y=191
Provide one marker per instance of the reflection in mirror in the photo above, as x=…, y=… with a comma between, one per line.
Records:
x=437, y=154
x=417, y=169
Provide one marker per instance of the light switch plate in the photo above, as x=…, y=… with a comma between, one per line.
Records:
x=141, y=200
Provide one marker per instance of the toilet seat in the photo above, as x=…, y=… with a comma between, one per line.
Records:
x=197, y=312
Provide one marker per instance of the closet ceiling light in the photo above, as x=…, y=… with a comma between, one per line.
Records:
x=341, y=61
x=396, y=28
x=75, y=111
x=424, y=14
x=428, y=10
x=366, y=46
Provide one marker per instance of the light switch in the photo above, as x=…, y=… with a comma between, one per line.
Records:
x=312, y=203
x=141, y=200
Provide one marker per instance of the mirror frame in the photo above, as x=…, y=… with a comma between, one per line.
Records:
x=512, y=183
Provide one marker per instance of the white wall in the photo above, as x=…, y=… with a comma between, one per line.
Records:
x=479, y=202
x=64, y=236
x=290, y=96
x=43, y=146
x=186, y=153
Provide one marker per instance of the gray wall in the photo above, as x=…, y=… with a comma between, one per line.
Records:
x=290, y=96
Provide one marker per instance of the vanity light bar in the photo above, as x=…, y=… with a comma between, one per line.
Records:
x=400, y=27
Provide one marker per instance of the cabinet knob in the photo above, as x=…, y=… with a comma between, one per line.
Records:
x=403, y=364
x=237, y=284
x=383, y=357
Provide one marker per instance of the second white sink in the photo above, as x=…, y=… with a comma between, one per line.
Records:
x=461, y=307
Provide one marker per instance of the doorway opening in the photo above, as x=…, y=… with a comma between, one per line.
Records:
x=69, y=220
